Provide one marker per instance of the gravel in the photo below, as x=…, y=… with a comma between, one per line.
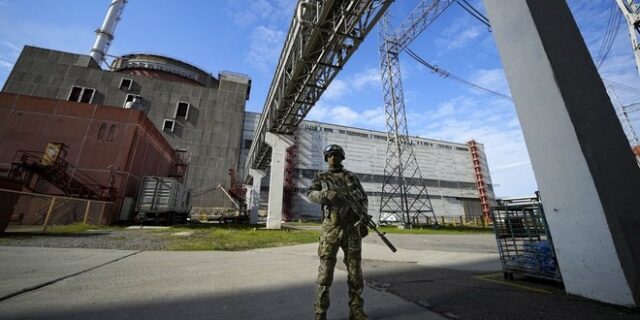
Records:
x=127, y=239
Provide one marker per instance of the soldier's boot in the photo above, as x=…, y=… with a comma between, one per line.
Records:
x=322, y=302
x=355, y=283
x=356, y=303
x=325, y=278
x=357, y=314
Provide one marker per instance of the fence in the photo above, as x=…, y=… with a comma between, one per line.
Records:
x=461, y=221
x=30, y=209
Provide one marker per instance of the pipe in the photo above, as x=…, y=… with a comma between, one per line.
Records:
x=302, y=7
x=107, y=30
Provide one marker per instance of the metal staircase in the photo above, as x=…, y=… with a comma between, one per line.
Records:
x=28, y=165
x=289, y=187
x=481, y=184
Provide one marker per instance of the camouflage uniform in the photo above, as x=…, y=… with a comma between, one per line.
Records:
x=338, y=231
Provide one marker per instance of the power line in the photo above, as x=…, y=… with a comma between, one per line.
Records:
x=447, y=74
x=611, y=31
x=474, y=12
x=621, y=86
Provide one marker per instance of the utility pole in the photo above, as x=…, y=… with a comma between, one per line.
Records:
x=404, y=193
x=631, y=12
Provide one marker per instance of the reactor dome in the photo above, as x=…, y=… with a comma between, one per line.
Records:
x=162, y=67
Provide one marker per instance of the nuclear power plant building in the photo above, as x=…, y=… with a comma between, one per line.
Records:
x=198, y=114
x=203, y=117
x=452, y=172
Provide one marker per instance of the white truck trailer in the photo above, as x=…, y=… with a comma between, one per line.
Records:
x=162, y=200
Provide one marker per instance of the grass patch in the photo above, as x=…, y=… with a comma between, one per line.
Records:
x=440, y=230
x=306, y=223
x=75, y=228
x=233, y=238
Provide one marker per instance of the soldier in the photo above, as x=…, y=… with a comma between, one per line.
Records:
x=338, y=231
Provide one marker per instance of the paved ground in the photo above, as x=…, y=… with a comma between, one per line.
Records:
x=430, y=277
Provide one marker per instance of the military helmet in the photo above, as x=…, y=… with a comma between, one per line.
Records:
x=333, y=149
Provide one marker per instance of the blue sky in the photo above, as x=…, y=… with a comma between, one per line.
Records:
x=246, y=36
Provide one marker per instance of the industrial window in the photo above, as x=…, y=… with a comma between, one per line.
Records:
x=328, y=130
x=357, y=134
x=182, y=110
x=125, y=84
x=81, y=94
x=128, y=99
x=462, y=149
x=106, y=132
x=311, y=127
x=168, y=125
x=87, y=95
x=75, y=94
x=112, y=131
x=102, y=132
x=247, y=144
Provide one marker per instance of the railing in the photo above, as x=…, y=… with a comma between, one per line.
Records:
x=57, y=173
x=323, y=35
x=24, y=210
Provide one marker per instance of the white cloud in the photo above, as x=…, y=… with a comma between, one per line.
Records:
x=265, y=45
x=8, y=52
x=9, y=45
x=462, y=32
x=6, y=65
x=343, y=115
x=351, y=84
x=462, y=39
x=492, y=79
x=374, y=118
x=369, y=77
x=246, y=13
x=285, y=7
x=337, y=89
x=70, y=38
x=488, y=122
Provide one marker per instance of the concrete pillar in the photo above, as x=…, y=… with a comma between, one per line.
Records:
x=582, y=161
x=279, y=144
x=253, y=194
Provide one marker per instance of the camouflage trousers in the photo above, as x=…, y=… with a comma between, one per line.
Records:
x=332, y=237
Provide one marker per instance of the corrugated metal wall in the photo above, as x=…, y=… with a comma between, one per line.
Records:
x=446, y=166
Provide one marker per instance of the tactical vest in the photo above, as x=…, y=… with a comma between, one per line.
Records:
x=338, y=181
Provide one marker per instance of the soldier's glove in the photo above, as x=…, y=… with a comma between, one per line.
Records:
x=362, y=229
x=331, y=198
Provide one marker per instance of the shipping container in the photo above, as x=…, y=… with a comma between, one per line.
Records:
x=162, y=200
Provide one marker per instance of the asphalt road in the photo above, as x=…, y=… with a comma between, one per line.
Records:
x=430, y=277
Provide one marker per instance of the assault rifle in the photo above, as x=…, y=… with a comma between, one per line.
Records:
x=352, y=196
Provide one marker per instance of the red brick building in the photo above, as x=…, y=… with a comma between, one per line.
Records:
x=113, y=146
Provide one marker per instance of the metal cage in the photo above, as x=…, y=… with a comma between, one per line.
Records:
x=523, y=239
